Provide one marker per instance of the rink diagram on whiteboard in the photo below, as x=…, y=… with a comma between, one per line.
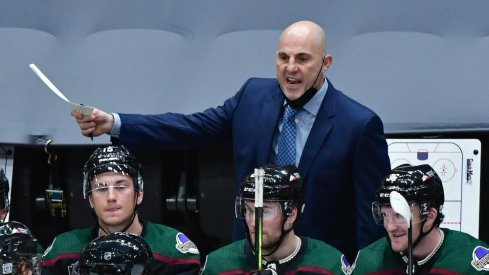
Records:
x=457, y=162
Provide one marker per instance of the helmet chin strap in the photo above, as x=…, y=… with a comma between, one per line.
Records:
x=422, y=234
x=279, y=242
x=307, y=95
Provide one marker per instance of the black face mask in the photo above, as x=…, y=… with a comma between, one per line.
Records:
x=307, y=95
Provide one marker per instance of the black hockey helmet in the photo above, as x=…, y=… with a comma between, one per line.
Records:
x=116, y=253
x=18, y=248
x=417, y=184
x=280, y=183
x=4, y=189
x=111, y=159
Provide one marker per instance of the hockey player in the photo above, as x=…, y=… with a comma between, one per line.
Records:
x=435, y=250
x=117, y=253
x=113, y=186
x=20, y=253
x=4, y=201
x=283, y=251
x=19, y=250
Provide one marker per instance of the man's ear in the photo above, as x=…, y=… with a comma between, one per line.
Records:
x=328, y=59
x=90, y=201
x=291, y=219
x=140, y=197
x=432, y=214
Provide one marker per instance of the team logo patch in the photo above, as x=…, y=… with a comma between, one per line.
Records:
x=422, y=154
x=392, y=177
x=345, y=265
x=184, y=244
x=107, y=256
x=7, y=268
x=480, y=258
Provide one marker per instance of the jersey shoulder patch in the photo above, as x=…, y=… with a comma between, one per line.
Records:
x=480, y=258
x=185, y=245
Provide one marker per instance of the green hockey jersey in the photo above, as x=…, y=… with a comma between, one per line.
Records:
x=314, y=257
x=173, y=252
x=459, y=253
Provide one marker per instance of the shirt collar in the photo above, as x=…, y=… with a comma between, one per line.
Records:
x=313, y=105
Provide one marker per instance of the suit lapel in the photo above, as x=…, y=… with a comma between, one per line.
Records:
x=321, y=128
x=270, y=114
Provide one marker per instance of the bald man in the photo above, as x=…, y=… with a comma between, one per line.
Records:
x=337, y=143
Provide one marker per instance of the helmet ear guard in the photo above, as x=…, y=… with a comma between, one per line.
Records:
x=287, y=207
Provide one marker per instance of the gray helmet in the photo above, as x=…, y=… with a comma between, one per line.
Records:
x=111, y=159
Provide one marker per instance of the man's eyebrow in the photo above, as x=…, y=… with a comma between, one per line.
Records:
x=298, y=55
x=304, y=54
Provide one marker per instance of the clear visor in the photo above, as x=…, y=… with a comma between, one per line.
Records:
x=101, y=188
x=245, y=209
x=383, y=214
x=95, y=185
x=13, y=227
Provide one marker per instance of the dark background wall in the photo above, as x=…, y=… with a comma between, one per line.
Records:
x=421, y=65
x=204, y=211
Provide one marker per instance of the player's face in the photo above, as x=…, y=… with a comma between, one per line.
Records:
x=397, y=227
x=23, y=269
x=272, y=223
x=113, y=197
x=3, y=213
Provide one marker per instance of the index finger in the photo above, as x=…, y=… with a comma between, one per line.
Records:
x=76, y=114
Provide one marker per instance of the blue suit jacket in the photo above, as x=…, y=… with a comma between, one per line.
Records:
x=343, y=161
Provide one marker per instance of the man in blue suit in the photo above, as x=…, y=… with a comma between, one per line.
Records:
x=341, y=151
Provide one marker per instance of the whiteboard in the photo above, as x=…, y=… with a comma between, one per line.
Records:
x=458, y=163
